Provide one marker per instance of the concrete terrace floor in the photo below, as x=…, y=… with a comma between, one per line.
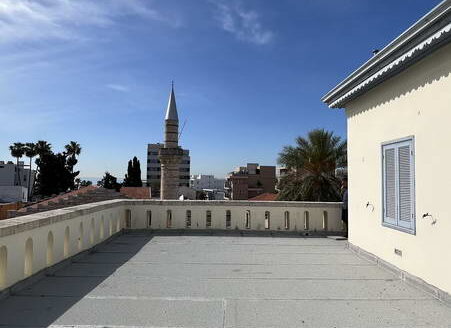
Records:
x=138, y=280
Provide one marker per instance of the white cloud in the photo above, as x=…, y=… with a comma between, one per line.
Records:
x=244, y=24
x=30, y=20
x=118, y=87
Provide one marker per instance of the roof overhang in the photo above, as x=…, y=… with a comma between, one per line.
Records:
x=428, y=34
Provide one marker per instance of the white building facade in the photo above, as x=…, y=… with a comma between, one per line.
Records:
x=14, y=181
x=205, y=181
x=398, y=112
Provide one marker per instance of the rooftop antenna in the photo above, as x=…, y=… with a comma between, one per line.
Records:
x=181, y=130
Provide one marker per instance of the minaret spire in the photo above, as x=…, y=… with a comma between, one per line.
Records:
x=171, y=154
x=171, y=111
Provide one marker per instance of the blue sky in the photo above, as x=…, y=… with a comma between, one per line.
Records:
x=248, y=74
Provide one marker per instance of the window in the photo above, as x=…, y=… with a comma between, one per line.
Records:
x=247, y=222
x=287, y=220
x=228, y=219
x=398, y=185
x=168, y=218
x=128, y=219
x=208, y=219
x=267, y=220
x=149, y=218
x=325, y=221
x=188, y=219
x=306, y=220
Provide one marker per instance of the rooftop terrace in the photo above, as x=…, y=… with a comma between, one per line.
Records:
x=143, y=280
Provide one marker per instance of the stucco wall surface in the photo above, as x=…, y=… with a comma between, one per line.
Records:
x=415, y=103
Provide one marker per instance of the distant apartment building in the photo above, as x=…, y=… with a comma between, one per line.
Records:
x=154, y=167
x=280, y=173
x=14, y=181
x=249, y=181
x=214, y=194
x=205, y=181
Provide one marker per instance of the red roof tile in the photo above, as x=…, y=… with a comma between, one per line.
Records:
x=136, y=192
x=264, y=197
x=66, y=195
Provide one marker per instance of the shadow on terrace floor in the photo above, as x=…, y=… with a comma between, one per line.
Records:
x=42, y=303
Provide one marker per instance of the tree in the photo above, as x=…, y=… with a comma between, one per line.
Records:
x=42, y=147
x=85, y=183
x=17, y=150
x=73, y=149
x=311, y=167
x=109, y=182
x=133, y=176
x=82, y=183
x=54, y=175
x=30, y=152
x=55, y=172
x=137, y=170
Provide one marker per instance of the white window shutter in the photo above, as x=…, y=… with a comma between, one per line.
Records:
x=390, y=185
x=399, y=185
x=405, y=186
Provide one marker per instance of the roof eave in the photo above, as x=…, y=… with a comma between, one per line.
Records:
x=436, y=14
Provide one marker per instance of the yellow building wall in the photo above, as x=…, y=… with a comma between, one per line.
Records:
x=416, y=103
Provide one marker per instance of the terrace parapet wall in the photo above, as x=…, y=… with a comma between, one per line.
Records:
x=32, y=243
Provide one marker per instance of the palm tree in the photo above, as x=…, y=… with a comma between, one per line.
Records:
x=43, y=147
x=17, y=150
x=73, y=149
x=311, y=165
x=30, y=152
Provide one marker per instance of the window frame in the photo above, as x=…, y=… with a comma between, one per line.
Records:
x=396, y=144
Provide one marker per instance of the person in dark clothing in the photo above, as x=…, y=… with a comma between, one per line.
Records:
x=344, y=209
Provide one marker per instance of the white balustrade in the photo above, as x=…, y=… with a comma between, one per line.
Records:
x=35, y=242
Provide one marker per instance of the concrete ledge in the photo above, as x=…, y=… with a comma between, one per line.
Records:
x=236, y=233
x=403, y=275
x=231, y=203
x=36, y=220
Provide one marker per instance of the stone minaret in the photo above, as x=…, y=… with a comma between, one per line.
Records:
x=171, y=154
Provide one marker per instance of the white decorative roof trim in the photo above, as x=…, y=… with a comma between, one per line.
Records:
x=398, y=61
